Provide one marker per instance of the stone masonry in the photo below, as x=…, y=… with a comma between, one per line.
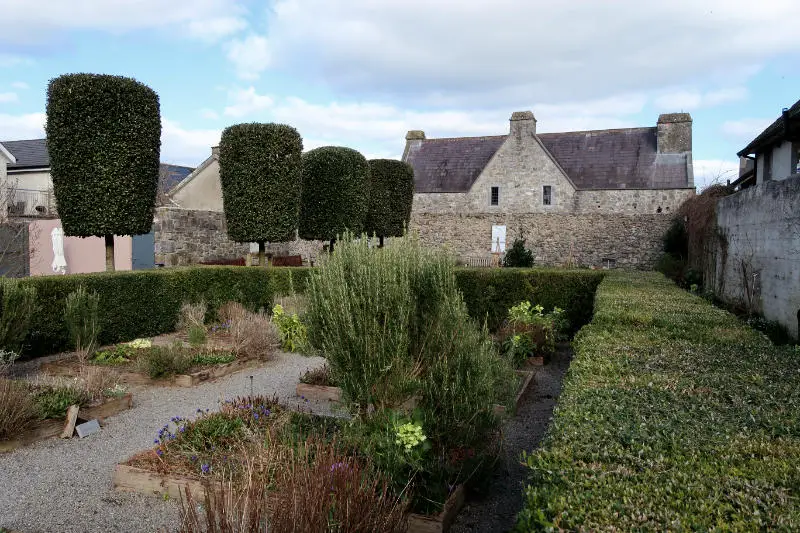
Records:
x=185, y=237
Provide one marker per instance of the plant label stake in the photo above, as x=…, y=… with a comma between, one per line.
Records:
x=251, y=385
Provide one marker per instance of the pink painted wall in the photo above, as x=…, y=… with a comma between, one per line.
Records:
x=82, y=254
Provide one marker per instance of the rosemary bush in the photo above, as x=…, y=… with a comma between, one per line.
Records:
x=81, y=314
x=19, y=304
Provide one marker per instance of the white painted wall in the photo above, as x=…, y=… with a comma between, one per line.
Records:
x=203, y=192
x=38, y=181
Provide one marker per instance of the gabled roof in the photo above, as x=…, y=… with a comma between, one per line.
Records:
x=31, y=153
x=7, y=155
x=786, y=123
x=599, y=159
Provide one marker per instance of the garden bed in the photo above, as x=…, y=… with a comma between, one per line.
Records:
x=46, y=429
x=526, y=378
x=70, y=367
x=418, y=523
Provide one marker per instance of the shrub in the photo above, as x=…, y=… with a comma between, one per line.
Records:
x=104, y=141
x=391, y=193
x=165, y=361
x=192, y=315
x=197, y=336
x=53, y=402
x=318, y=376
x=255, y=335
x=676, y=240
x=81, y=310
x=7, y=359
x=16, y=408
x=293, y=333
x=335, y=193
x=19, y=306
x=261, y=176
x=518, y=255
x=98, y=382
x=669, y=404
x=673, y=268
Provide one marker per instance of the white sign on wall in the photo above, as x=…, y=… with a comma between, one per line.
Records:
x=498, y=239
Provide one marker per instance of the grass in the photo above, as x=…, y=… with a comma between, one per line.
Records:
x=673, y=416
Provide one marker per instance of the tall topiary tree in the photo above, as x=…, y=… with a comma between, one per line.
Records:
x=261, y=176
x=335, y=193
x=391, y=192
x=104, y=142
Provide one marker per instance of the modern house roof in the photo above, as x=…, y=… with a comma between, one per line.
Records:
x=32, y=154
x=788, y=124
x=600, y=159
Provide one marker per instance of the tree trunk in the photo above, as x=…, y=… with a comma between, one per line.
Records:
x=262, y=255
x=330, y=249
x=380, y=241
x=110, y=253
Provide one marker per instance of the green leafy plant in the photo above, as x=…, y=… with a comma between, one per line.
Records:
x=261, y=177
x=53, y=402
x=118, y=355
x=518, y=255
x=335, y=194
x=391, y=192
x=165, y=361
x=81, y=314
x=197, y=336
x=213, y=358
x=294, y=334
x=103, y=141
x=19, y=306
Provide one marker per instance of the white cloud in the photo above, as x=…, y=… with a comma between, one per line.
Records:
x=209, y=114
x=184, y=146
x=714, y=171
x=250, y=56
x=20, y=85
x=212, y=30
x=12, y=60
x=28, y=126
x=512, y=52
x=42, y=21
x=689, y=100
x=746, y=129
x=8, y=97
x=246, y=102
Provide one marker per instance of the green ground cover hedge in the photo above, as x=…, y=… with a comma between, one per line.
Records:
x=673, y=416
x=145, y=303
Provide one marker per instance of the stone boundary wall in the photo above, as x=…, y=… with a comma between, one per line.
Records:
x=754, y=261
x=187, y=237
x=631, y=241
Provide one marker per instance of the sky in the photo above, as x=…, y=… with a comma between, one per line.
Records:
x=361, y=73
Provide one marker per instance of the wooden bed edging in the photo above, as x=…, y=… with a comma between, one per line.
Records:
x=318, y=392
x=46, y=429
x=132, y=479
x=440, y=523
x=62, y=368
x=527, y=379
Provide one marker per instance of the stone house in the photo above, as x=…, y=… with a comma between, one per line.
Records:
x=590, y=198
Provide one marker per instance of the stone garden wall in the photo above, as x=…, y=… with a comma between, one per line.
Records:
x=186, y=237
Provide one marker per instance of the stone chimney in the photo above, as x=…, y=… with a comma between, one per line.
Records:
x=674, y=133
x=523, y=123
x=414, y=139
x=215, y=151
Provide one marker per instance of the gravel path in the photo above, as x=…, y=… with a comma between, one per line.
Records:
x=65, y=485
x=496, y=508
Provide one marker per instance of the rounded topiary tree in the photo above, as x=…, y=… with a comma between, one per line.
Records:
x=391, y=192
x=335, y=193
x=104, y=142
x=261, y=176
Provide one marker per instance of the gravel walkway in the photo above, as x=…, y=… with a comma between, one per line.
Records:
x=65, y=485
x=496, y=508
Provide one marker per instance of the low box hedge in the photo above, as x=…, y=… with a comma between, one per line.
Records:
x=673, y=417
x=146, y=303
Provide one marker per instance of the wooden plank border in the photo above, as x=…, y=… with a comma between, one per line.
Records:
x=319, y=393
x=132, y=479
x=441, y=522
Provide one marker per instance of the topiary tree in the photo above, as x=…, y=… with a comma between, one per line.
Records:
x=518, y=255
x=391, y=192
x=335, y=193
x=104, y=142
x=261, y=176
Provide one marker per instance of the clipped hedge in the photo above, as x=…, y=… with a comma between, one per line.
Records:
x=104, y=141
x=673, y=417
x=146, y=303
x=489, y=293
x=391, y=193
x=261, y=176
x=335, y=194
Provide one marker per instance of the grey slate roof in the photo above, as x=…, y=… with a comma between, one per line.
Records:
x=31, y=153
x=601, y=159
